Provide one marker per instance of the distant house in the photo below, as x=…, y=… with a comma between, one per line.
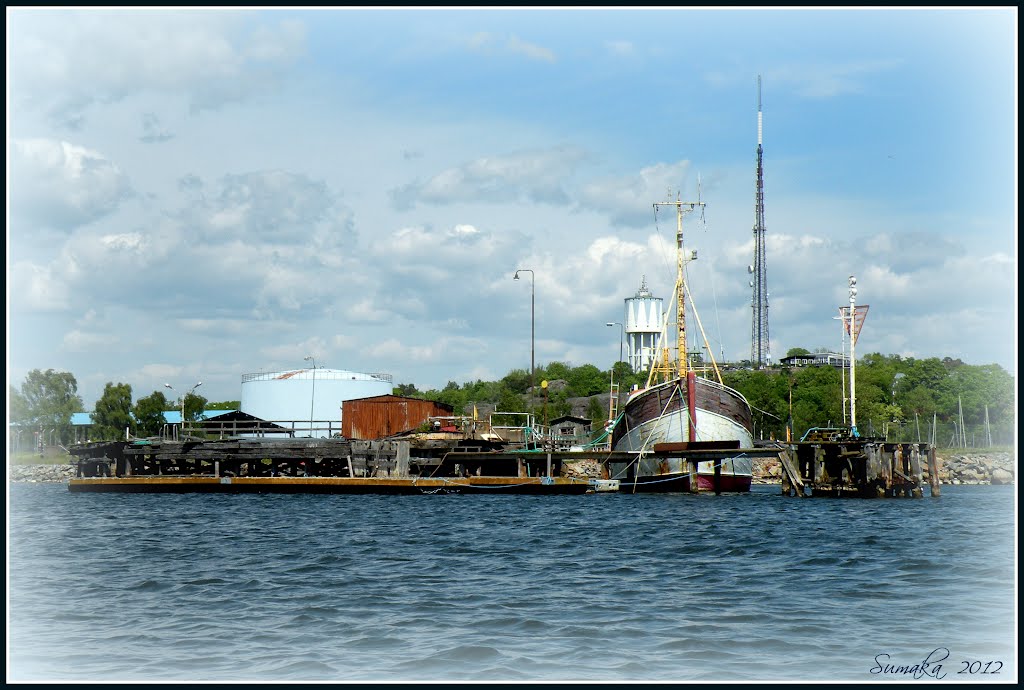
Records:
x=571, y=429
x=232, y=423
x=816, y=359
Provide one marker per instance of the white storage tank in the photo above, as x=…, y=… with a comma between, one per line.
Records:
x=645, y=316
x=308, y=400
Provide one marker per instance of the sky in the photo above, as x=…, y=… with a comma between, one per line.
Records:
x=194, y=195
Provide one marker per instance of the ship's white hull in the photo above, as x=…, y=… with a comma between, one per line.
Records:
x=661, y=415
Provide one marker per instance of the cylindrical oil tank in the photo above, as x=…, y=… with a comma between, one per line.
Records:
x=308, y=400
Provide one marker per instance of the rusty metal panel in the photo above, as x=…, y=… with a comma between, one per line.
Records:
x=385, y=415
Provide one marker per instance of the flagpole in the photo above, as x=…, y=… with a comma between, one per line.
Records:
x=853, y=357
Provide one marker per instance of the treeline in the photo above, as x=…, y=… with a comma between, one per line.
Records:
x=47, y=399
x=897, y=398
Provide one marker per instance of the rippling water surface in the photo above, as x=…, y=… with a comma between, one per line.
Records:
x=452, y=587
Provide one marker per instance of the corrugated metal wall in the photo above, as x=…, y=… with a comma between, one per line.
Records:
x=381, y=416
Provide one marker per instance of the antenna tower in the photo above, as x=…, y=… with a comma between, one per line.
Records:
x=760, y=354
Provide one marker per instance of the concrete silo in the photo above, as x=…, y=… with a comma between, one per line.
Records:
x=645, y=315
x=308, y=400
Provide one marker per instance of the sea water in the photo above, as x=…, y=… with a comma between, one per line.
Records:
x=600, y=587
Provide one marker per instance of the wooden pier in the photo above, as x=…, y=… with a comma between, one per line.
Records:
x=310, y=466
x=835, y=465
x=822, y=465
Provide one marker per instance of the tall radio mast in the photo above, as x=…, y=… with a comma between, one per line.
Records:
x=760, y=354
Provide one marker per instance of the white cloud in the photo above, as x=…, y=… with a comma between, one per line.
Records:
x=274, y=206
x=628, y=200
x=537, y=176
x=80, y=341
x=811, y=81
x=255, y=232
x=60, y=185
x=530, y=50
x=73, y=59
x=37, y=288
x=490, y=44
x=620, y=47
x=162, y=372
x=153, y=132
x=314, y=347
x=443, y=349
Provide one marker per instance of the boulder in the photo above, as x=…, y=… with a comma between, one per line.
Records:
x=1001, y=476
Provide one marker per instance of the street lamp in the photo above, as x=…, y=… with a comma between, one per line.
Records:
x=167, y=385
x=621, y=331
x=532, y=294
x=312, y=395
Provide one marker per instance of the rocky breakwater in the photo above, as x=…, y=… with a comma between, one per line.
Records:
x=976, y=467
x=40, y=473
x=766, y=471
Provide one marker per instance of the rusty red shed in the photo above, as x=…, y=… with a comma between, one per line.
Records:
x=381, y=416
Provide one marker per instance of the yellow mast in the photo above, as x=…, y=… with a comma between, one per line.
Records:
x=681, y=358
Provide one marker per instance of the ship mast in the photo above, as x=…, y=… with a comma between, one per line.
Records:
x=681, y=207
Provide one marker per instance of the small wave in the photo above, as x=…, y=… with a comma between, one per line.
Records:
x=150, y=586
x=205, y=581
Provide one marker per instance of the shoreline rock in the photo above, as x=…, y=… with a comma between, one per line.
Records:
x=975, y=467
x=40, y=473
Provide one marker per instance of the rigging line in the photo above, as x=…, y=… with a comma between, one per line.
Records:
x=662, y=242
x=714, y=296
x=714, y=292
x=650, y=437
x=764, y=411
x=662, y=343
x=711, y=354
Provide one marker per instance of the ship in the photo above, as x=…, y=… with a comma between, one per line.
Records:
x=686, y=410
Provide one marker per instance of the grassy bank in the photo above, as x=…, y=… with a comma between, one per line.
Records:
x=944, y=453
x=50, y=456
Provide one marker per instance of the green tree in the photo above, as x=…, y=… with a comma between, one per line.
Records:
x=597, y=413
x=406, y=390
x=51, y=397
x=554, y=371
x=482, y=391
x=224, y=405
x=518, y=381
x=149, y=414
x=509, y=401
x=194, y=406
x=113, y=413
x=558, y=405
x=586, y=380
x=626, y=377
x=451, y=395
x=20, y=412
x=794, y=351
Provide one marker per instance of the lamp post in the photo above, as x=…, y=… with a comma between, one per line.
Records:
x=621, y=331
x=532, y=295
x=312, y=395
x=191, y=391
